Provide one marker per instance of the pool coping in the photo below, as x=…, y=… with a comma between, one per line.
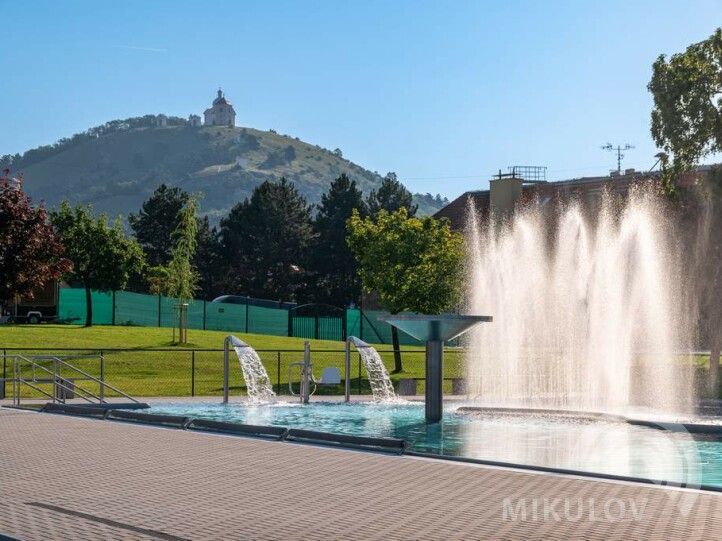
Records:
x=342, y=441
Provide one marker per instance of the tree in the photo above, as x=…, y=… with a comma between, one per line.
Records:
x=687, y=124
x=391, y=196
x=179, y=278
x=103, y=257
x=208, y=260
x=265, y=240
x=155, y=223
x=31, y=253
x=338, y=282
x=687, y=113
x=701, y=219
x=414, y=264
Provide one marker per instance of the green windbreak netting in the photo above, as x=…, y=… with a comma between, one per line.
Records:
x=168, y=307
x=353, y=323
x=226, y=317
x=71, y=306
x=323, y=328
x=267, y=321
x=375, y=330
x=136, y=309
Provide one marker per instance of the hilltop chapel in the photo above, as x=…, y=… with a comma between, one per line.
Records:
x=221, y=113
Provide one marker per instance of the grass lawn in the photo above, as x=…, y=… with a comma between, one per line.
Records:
x=109, y=337
x=146, y=363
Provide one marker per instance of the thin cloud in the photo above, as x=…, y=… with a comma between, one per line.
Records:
x=138, y=48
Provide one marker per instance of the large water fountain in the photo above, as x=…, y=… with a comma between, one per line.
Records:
x=588, y=308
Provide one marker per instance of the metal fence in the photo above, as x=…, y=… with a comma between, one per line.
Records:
x=199, y=372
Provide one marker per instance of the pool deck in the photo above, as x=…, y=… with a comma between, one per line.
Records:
x=69, y=478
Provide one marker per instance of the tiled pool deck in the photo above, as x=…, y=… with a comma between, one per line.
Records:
x=70, y=478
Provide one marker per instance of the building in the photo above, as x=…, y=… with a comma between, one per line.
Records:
x=221, y=112
x=161, y=121
x=194, y=121
x=507, y=191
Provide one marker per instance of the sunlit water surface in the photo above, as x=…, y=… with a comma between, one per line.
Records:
x=593, y=446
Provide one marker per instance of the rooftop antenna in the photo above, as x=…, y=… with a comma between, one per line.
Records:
x=618, y=149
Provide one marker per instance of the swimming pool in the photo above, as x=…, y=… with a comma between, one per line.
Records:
x=615, y=448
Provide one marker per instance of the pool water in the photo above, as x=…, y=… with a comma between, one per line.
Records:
x=593, y=446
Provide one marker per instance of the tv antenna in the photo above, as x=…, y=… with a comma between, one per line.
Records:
x=618, y=149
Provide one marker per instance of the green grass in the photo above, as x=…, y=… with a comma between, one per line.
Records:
x=146, y=363
x=108, y=337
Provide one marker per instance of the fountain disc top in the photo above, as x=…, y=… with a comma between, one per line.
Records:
x=441, y=327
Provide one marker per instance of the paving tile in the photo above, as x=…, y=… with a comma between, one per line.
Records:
x=109, y=480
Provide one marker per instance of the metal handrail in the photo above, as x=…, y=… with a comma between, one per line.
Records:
x=58, y=380
x=102, y=383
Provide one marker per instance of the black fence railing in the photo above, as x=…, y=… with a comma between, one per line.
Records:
x=199, y=372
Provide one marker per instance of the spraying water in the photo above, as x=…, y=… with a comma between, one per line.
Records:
x=587, y=310
x=381, y=386
x=258, y=384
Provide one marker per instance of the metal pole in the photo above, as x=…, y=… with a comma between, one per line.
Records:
x=102, y=377
x=278, y=371
x=226, y=364
x=434, y=381
x=347, y=368
x=305, y=387
x=193, y=372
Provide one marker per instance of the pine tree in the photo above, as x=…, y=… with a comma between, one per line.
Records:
x=335, y=267
x=391, y=196
x=265, y=241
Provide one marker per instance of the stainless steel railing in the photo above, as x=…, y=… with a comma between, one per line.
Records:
x=63, y=384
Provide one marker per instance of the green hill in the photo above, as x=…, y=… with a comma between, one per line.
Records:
x=117, y=166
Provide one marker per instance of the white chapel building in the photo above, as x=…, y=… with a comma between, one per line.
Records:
x=221, y=113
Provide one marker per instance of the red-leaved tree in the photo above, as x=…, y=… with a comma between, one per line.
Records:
x=30, y=251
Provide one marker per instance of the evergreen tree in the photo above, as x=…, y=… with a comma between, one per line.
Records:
x=391, y=196
x=265, y=240
x=337, y=279
x=153, y=226
x=208, y=260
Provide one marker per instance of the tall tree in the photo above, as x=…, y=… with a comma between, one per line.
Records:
x=155, y=222
x=687, y=124
x=414, y=264
x=103, y=257
x=391, y=196
x=265, y=241
x=31, y=252
x=338, y=281
x=179, y=278
x=208, y=260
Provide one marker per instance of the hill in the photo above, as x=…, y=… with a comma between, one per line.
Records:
x=118, y=165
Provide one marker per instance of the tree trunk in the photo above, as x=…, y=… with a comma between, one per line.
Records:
x=714, y=366
x=397, y=351
x=88, y=307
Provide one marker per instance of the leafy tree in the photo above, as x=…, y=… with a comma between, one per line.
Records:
x=179, y=278
x=414, y=264
x=338, y=279
x=30, y=251
x=265, y=241
x=687, y=124
x=687, y=92
x=157, y=220
x=103, y=257
x=391, y=196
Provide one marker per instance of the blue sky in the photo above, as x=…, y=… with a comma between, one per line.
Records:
x=442, y=93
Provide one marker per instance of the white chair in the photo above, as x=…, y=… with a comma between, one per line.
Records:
x=330, y=375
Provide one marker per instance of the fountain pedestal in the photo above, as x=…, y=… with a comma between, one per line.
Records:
x=435, y=330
